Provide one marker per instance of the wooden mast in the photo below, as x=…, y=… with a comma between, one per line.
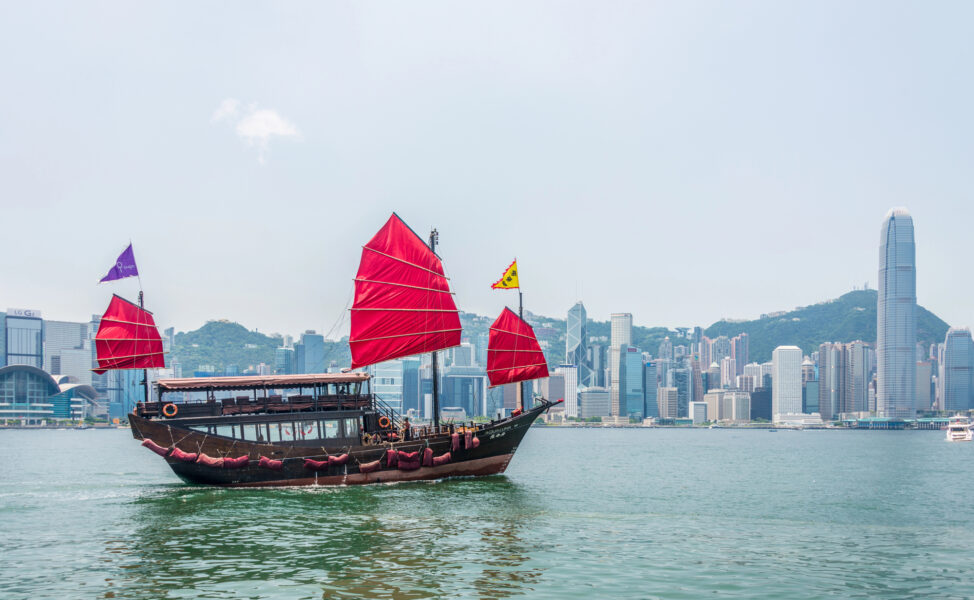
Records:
x=434, y=237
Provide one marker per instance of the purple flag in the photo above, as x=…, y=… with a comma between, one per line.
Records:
x=124, y=266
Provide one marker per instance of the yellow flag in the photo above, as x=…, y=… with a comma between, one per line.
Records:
x=508, y=280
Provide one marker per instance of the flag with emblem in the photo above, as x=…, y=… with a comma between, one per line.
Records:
x=508, y=280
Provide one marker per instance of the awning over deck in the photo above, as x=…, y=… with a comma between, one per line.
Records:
x=215, y=384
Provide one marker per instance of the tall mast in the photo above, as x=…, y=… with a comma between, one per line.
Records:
x=145, y=372
x=520, y=313
x=434, y=237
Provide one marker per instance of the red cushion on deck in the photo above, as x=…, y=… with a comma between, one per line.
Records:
x=442, y=459
x=408, y=456
x=274, y=465
x=369, y=466
x=183, y=456
x=476, y=442
x=315, y=465
x=155, y=447
x=428, y=457
x=455, y=442
x=236, y=463
x=468, y=440
x=392, y=457
x=409, y=465
x=209, y=461
x=341, y=459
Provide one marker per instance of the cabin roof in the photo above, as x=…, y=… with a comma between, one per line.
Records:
x=257, y=382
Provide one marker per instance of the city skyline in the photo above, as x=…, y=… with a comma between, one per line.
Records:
x=219, y=174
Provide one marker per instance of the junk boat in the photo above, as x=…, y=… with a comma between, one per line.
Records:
x=331, y=428
x=959, y=430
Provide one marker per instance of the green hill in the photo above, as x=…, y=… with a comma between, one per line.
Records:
x=222, y=343
x=847, y=318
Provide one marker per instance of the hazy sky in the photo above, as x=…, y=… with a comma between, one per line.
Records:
x=680, y=161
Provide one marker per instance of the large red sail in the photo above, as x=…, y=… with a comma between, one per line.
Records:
x=513, y=352
x=127, y=338
x=403, y=305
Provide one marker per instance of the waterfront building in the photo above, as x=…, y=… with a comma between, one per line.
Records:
x=621, y=338
x=713, y=400
x=761, y=404
x=68, y=350
x=650, y=385
x=576, y=340
x=596, y=361
x=740, y=406
x=632, y=379
x=3, y=339
x=924, y=379
x=668, y=399
x=698, y=412
x=958, y=370
x=594, y=402
x=753, y=370
x=831, y=373
x=24, y=337
x=896, y=317
x=728, y=372
x=570, y=374
x=786, y=382
x=767, y=371
x=31, y=396
x=739, y=352
x=680, y=379
x=810, y=396
x=465, y=386
x=387, y=383
x=745, y=383
x=857, y=377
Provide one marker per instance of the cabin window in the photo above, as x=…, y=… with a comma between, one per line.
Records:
x=307, y=430
x=224, y=430
x=276, y=432
x=351, y=427
x=330, y=428
x=288, y=432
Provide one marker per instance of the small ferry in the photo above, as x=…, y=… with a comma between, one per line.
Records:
x=959, y=429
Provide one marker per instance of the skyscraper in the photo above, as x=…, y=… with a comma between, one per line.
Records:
x=958, y=370
x=786, y=382
x=576, y=350
x=632, y=384
x=621, y=338
x=739, y=352
x=650, y=385
x=570, y=373
x=896, y=317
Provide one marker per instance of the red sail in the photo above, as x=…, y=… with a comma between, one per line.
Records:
x=513, y=353
x=127, y=338
x=403, y=305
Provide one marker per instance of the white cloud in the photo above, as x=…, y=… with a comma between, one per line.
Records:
x=255, y=126
x=226, y=110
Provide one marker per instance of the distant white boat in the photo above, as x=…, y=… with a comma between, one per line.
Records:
x=959, y=430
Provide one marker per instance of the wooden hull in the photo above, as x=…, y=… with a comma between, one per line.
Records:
x=498, y=443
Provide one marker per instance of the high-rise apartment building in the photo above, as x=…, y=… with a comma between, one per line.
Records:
x=786, y=383
x=739, y=352
x=666, y=348
x=620, y=339
x=719, y=349
x=650, y=385
x=858, y=375
x=576, y=345
x=831, y=379
x=896, y=317
x=958, y=370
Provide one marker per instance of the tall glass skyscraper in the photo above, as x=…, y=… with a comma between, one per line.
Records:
x=958, y=370
x=576, y=351
x=896, y=326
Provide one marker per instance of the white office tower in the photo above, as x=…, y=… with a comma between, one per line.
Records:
x=570, y=373
x=786, y=381
x=896, y=324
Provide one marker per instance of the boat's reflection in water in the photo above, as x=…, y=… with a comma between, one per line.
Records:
x=413, y=540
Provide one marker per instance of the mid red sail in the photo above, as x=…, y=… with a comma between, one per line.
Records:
x=127, y=338
x=513, y=352
x=403, y=305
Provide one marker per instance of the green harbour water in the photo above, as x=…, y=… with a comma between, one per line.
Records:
x=586, y=513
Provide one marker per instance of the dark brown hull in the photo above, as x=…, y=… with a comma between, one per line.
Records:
x=498, y=442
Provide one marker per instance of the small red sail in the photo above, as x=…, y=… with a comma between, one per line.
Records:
x=403, y=305
x=513, y=352
x=127, y=338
